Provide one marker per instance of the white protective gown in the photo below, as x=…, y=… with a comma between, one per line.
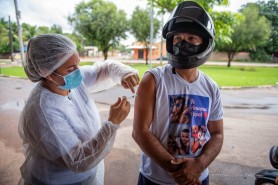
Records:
x=63, y=137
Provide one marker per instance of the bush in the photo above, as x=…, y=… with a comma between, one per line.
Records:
x=260, y=56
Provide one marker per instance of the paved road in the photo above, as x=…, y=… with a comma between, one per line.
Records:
x=251, y=117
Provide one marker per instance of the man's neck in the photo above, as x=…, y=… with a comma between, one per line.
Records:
x=189, y=75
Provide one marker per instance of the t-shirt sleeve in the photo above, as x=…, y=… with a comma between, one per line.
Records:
x=216, y=112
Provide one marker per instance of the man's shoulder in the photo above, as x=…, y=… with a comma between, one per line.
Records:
x=208, y=79
x=160, y=69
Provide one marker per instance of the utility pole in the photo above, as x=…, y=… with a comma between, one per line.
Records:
x=17, y=13
x=161, y=41
x=151, y=35
x=11, y=39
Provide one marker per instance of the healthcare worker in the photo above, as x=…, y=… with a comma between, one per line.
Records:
x=64, y=139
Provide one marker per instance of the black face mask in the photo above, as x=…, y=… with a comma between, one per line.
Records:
x=185, y=48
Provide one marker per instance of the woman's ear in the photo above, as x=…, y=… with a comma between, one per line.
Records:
x=49, y=78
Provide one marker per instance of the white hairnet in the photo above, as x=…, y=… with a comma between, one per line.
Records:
x=45, y=53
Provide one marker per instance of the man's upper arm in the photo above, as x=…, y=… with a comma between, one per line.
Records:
x=144, y=104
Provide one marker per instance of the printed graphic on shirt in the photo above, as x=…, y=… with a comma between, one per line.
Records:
x=188, y=116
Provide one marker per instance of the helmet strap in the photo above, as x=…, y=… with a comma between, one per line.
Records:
x=173, y=70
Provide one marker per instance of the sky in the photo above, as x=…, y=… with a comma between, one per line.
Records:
x=50, y=12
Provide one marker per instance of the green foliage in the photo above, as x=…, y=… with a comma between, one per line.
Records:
x=223, y=22
x=141, y=29
x=4, y=37
x=77, y=39
x=251, y=32
x=169, y=5
x=269, y=9
x=101, y=23
x=254, y=31
x=56, y=29
x=42, y=30
x=28, y=31
x=260, y=55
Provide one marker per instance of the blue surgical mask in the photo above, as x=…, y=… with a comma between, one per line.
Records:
x=72, y=80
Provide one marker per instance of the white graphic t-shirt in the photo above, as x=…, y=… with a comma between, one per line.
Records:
x=180, y=118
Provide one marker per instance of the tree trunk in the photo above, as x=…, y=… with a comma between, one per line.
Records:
x=147, y=53
x=231, y=55
x=105, y=54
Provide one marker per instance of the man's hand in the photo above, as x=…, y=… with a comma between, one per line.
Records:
x=129, y=81
x=189, y=173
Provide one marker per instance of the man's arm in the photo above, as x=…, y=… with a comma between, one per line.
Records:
x=143, y=116
x=214, y=145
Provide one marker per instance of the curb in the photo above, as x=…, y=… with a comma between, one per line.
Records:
x=246, y=87
x=16, y=77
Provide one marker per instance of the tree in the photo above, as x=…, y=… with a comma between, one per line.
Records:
x=56, y=29
x=270, y=11
x=141, y=29
x=42, y=30
x=251, y=32
x=4, y=37
x=100, y=23
x=77, y=39
x=223, y=22
x=169, y=5
x=28, y=31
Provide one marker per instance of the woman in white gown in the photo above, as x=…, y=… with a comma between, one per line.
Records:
x=63, y=137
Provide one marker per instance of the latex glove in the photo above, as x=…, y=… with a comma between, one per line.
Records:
x=130, y=80
x=188, y=174
x=119, y=110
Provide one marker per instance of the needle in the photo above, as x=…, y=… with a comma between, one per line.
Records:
x=131, y=97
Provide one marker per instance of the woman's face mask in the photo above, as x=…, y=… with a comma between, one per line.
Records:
x=72, y=80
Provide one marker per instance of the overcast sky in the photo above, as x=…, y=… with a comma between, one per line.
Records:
x=49, y=12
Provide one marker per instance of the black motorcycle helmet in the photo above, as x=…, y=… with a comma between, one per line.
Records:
x=189, y=17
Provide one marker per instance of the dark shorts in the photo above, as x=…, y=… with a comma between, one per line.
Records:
x=145, y=181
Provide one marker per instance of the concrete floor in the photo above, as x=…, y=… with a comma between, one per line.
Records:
x=250, y=126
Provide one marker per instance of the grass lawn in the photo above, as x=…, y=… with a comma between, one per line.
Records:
x=224, y=76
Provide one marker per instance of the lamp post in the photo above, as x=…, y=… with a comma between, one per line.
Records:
x=151, y=35
x=161, y=41
x=17, y=13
